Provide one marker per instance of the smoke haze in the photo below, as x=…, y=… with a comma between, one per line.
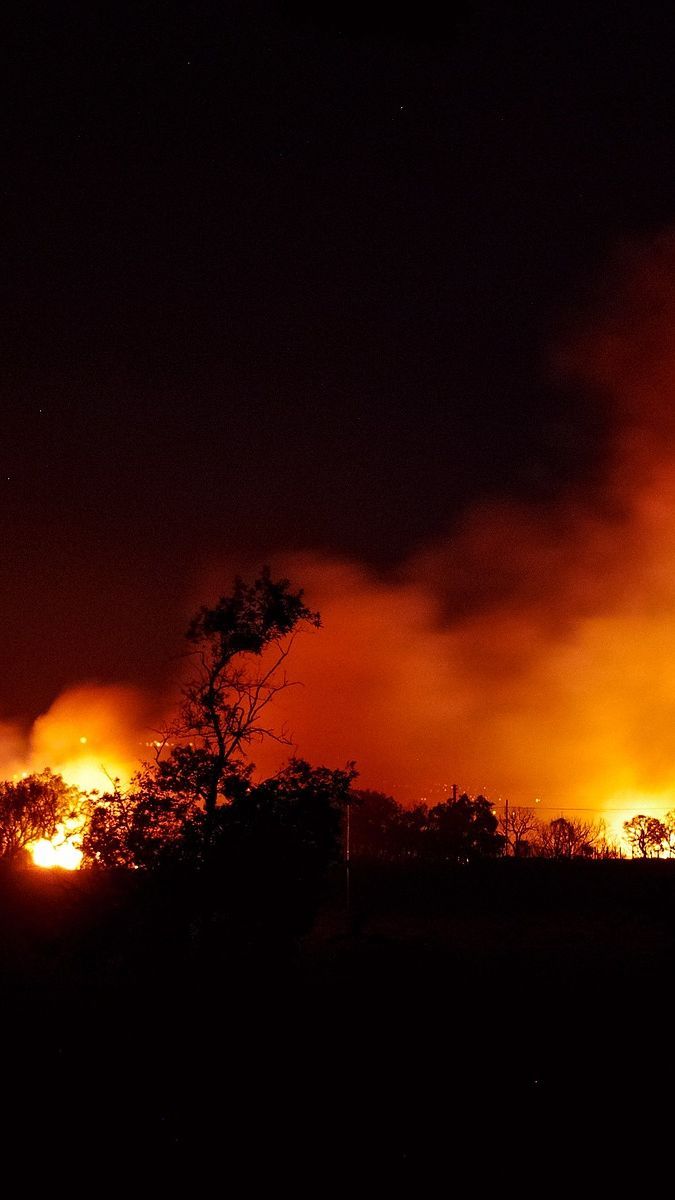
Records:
x=529, y=654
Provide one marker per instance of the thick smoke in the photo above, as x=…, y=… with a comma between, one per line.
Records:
x=92, y=735
x=531, y=653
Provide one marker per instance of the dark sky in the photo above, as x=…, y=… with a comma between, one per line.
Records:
x=274, y=282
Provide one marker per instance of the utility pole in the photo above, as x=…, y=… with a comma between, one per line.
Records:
x=506, y=828
x=347, y=858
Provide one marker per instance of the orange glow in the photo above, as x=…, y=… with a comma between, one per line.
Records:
x=111, y=749
x=62, y=851
x=530, y=653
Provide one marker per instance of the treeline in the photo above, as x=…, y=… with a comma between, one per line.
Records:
x=307, y=816
x=196, y=806
x=464, y=830
x=650, y=837
x=459, y=831
x=160, y=822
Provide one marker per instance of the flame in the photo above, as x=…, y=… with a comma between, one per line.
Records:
x=88, y=775
x=62, y=851
x=530, y=652
x=110, y=750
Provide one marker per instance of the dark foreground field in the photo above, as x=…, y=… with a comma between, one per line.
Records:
x=451, y=1016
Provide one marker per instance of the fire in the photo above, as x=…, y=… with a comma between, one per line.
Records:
x=62, y=851
x=528, y=651
x=622, y=806
x=90, y=737
x=89, y=776
x=531, y=650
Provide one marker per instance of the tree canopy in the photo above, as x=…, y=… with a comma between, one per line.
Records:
x=239, y=648
x=32, y=808
x=647, y=836
x=197, y=803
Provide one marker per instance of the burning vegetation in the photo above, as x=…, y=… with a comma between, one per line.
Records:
x=197, y=792
x=529, y=652
x=43, y=815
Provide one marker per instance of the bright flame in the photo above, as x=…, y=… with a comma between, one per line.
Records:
x=90, y=775
x=622, y=806
x=64, y=853
x=91, y=762
x=530, y=651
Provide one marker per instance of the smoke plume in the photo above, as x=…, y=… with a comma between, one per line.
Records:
x=529, y=654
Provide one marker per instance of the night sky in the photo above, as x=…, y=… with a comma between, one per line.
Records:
x=276, y=283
